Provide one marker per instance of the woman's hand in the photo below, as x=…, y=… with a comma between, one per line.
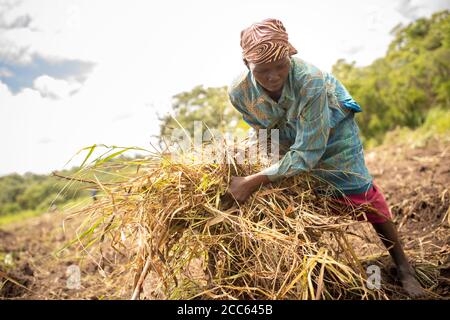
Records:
x=241, y=188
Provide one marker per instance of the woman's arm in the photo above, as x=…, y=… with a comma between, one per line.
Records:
x=241, y=188
x=313, y=129
x=310, y=144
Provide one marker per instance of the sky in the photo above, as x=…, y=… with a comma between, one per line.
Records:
x=75, y=73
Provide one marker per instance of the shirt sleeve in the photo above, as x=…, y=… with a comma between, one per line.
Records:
x=247, y=116
x=312, y=132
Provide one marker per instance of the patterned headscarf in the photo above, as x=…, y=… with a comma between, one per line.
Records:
x=265, y=41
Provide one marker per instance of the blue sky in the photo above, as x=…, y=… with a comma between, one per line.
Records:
x=19, y=76
x=78, y=72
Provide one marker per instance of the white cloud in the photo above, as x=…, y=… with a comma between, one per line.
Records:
x=4, y=91
x=52, y=88
x=11, y=52
x=18, y=23
x=71, y=123
x=45, y=140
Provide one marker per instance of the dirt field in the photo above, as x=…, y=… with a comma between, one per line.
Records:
x=415, y=182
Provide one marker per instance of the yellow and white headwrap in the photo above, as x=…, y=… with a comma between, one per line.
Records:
x=265, y=41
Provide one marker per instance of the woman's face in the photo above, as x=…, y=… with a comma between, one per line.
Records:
x=271, y=76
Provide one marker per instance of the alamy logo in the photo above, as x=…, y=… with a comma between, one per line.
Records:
x=373, y=277
x=73, y=277
x=213, y=146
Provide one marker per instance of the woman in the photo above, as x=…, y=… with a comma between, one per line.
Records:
x=315, y=117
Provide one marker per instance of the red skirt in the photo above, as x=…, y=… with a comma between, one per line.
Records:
x=375, y=199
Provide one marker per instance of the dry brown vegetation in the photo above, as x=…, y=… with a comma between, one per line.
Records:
x=165, y=234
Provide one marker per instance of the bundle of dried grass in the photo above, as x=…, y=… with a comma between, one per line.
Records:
x=169, y=221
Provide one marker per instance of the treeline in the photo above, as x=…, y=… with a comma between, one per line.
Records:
x=41, y=192
x=400, y=89
x=35, y=192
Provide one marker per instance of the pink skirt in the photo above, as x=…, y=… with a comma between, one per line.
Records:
x=375, y=199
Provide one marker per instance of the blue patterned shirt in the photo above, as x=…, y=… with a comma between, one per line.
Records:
x=315, y=118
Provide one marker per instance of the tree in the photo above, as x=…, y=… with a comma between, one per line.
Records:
x=211, y=106
x=400, y=88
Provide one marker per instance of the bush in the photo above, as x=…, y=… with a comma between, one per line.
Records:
x=10, y=208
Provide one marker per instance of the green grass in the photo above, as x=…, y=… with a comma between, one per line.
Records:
x=436, y=126
x=26, y=214
x=19, y=216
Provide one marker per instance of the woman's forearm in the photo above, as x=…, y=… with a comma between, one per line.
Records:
x=256, y=180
